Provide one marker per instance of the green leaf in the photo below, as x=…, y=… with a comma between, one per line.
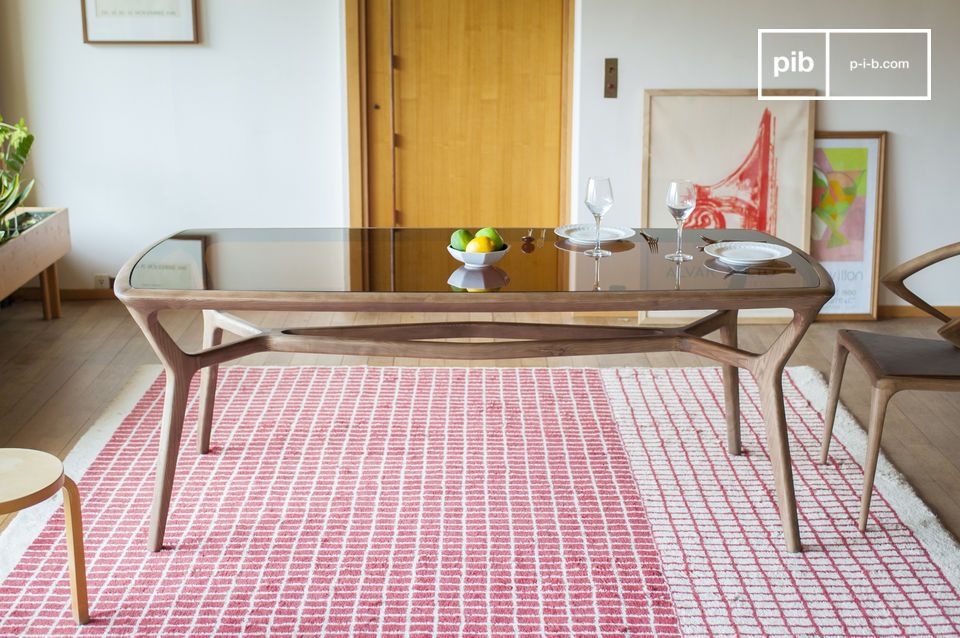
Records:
x=7, y=185
x=17, y=150
x=12, y=196
x=23, y=195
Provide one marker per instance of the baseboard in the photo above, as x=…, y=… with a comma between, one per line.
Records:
x=897, y=312
x=67, y=294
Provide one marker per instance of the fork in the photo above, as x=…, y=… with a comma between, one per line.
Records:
x=652, y=242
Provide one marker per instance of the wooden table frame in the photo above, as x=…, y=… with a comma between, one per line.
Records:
x=414, y=340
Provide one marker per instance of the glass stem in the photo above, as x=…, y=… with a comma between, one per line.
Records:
x=679, y=237
x=597, y=246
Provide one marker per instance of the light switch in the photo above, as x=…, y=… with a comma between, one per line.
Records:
x=610, y=77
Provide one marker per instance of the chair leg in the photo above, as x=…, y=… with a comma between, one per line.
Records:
x=78, y=570
x=878, y=411
x=833, y=397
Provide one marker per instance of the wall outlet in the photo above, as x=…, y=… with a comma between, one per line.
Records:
x=101, y=282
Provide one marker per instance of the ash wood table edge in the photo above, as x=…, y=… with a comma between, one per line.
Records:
x=407, y=340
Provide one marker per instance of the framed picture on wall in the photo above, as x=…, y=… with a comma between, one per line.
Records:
x=139, y=21
x=176, y=264
x=750, y=161
x=845, y=229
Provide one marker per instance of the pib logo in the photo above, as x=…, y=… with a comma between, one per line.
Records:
x=796, y=62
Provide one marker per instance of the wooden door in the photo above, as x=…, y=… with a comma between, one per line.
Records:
x=468, y=129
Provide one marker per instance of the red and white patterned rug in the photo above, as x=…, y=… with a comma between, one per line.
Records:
x=450, y=501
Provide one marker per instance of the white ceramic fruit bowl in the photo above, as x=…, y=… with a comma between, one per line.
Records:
x=478, y=279
x=478, y=260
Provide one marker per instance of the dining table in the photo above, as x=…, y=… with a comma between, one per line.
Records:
x=389, y=271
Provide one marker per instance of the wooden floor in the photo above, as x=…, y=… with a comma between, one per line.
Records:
x=56, y=377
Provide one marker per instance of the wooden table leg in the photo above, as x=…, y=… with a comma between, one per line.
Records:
x=771, y=401
x=78, y=570
x=174, y=409
x=769, y=374
x=731, y=386
x=179, y=369
x=212, y=336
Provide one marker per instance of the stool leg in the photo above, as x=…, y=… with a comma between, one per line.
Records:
x=78, y=571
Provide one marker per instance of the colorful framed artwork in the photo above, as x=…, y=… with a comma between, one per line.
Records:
x=139, y=21
x=750, y=160
x=846, y=213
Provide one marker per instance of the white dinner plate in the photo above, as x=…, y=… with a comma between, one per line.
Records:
x=587, y=233
x=746, y=253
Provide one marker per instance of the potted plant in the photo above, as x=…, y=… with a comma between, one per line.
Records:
x=15, y=143
x=24, y=253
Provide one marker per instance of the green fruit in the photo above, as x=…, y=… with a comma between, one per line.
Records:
x=493, y=235
x=455, y=289
x=460, y=238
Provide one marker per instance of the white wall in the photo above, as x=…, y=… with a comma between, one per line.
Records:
x=248, y=128
x=718, y=49
x=139, y=141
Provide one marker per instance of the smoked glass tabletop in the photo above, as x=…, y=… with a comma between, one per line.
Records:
x=417, y=260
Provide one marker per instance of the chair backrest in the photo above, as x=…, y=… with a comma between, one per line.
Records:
x=894, y=281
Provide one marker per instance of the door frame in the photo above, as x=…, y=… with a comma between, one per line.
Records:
x=357, y=140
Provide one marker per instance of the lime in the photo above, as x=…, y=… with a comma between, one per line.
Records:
x=460, y=238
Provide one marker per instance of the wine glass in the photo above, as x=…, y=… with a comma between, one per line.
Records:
x=681, y=200
x=599, y=200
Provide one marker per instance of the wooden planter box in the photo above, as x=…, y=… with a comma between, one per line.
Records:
x=36, y=251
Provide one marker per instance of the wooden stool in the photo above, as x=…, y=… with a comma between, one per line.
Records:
x=28, y=477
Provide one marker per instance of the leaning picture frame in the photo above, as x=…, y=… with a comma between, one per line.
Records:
x=177, y=264
x=750, y=161
x=846, y=215
x=140, y=21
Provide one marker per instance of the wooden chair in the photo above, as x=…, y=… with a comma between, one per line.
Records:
x=28, y=477
x=895, y=363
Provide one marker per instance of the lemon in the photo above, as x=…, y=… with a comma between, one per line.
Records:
x=493, y=235
x=480, y=245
